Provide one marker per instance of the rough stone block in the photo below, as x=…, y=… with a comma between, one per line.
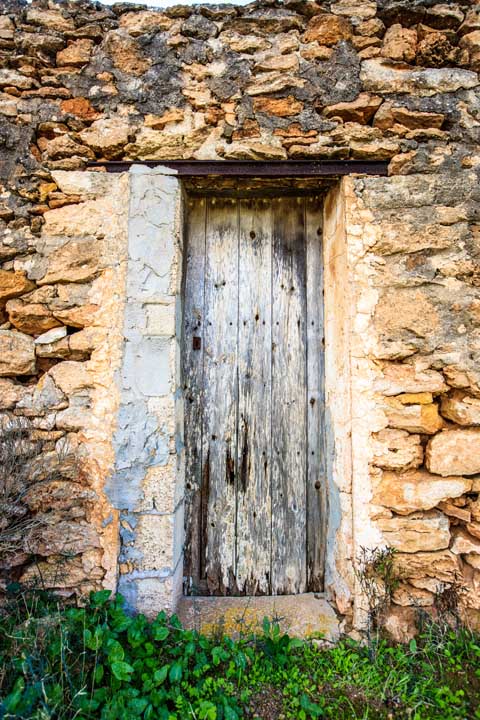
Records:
x=454, y=452
x=417, y=490
x=17, y=354
x=419, y=532
x=461, y=408
x=423, y=419
x=397, y=450
x=381, y=76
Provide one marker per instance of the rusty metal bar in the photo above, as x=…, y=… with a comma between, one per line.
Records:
x=247, y=168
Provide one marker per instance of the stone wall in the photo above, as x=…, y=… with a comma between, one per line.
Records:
x=391, y=80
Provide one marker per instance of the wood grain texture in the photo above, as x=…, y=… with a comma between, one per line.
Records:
x=192, y=366
x=316, y=457
x=256, y=496
x=289, y=421
x=219, y=429
x=254, y=353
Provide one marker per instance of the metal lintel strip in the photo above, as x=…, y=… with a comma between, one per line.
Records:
x=246, y=168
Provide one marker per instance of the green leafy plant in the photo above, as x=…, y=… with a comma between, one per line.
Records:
x=66, y=663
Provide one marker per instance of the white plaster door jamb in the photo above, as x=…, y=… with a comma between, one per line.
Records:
x=147, y=487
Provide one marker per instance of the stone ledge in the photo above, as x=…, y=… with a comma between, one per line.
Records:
x=303, y=616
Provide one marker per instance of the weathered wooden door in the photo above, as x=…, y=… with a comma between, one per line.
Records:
x=253, y=388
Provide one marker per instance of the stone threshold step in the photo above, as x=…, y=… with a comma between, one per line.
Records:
x=306, y=615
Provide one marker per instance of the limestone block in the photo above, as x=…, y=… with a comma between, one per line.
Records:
x=125, y=53
x=442, y=566
x=71, y=377
x=408, y=236
x=281, y=107
x=51, y=19
x=76, y=261
x=397, y=450
x=46, y=397
x=381, y=76
x=417, y=490
x=77, y=317
x=12, y=78
x=435, y=49
x=273, y=82
x=364, y=9
x=461, y=408
x=107, y=137
x=157, y=145
x=400, y=623
x=59, y=494
x=471, y=43
x=253, y=151
x=62, y=538
x=244, y=43
x=31, y=318
x=60, y=349
x=64, y=146
x=389, y=115
x=473, y=559
x=360, y=110
x=17, y=354
x=399, y=43
x=474, y=507
x=407, y=321
x=471, y=22
x=11, y=393
x=65, y=572
x=417, y=532
x=423, y=419
x=77, y=416
x=264, y=23
x=464, y=543
x=76, y=53
x=158, y=122
x=406, y=595
x=87, y=184
x=456, y=512
x=402, y=378
x=282, y=63
x=81, y=107
x=328, y=29
x=146, y=21
x=454, y=452
x=7, y=28
x=13, y=284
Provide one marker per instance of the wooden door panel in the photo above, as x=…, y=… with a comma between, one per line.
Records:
x=289, y=503
x=254, y=372
x=220, y=407
x=193, y=391
x=316, y=452
x=253, y=368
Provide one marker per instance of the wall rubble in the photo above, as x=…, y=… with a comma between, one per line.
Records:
x=390, y=80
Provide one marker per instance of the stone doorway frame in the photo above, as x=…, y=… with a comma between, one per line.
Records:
x=146, y=486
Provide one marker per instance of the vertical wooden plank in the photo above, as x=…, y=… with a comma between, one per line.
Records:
x=221, y=393
x=192, y=341
x=254, y=432
x=316, y=460
x=288, y=398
